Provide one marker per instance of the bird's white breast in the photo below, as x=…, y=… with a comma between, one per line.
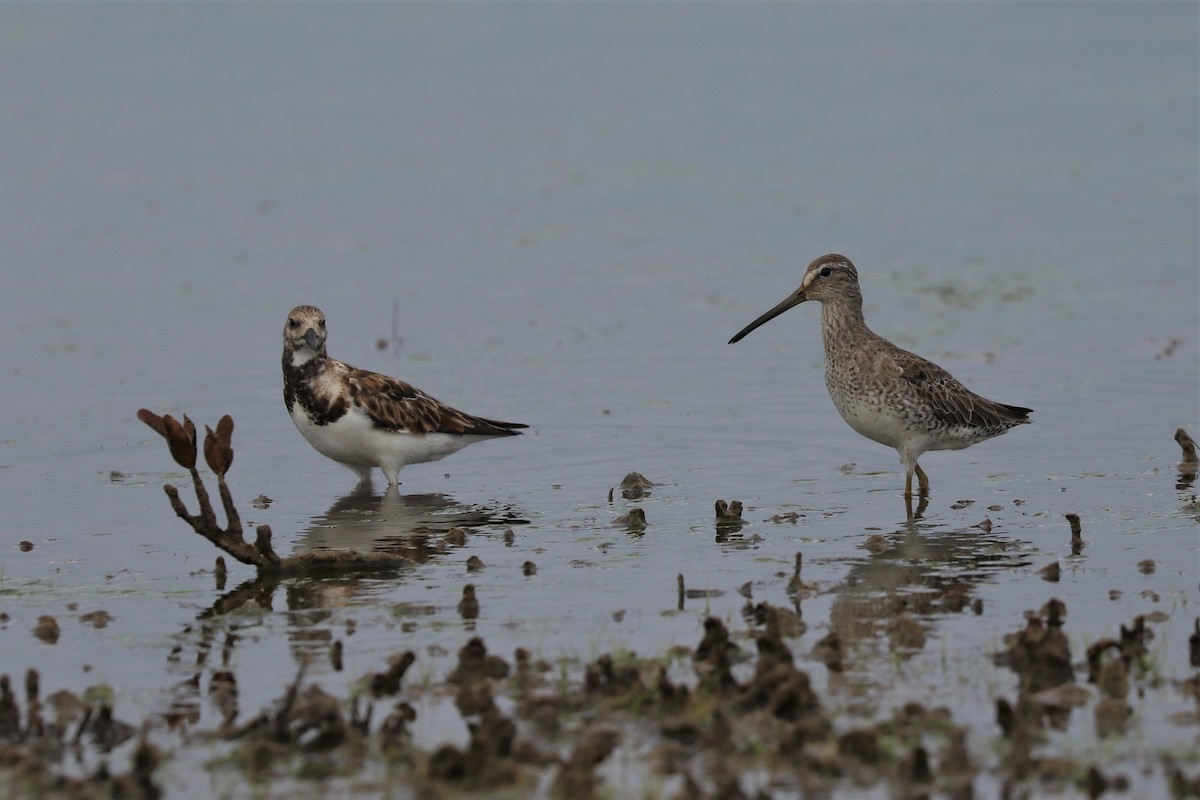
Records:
x=352, y=439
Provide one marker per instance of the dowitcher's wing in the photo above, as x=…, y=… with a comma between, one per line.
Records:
x=949, y=399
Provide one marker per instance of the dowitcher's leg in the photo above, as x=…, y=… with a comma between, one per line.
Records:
x=922, y=479
x=908, y=482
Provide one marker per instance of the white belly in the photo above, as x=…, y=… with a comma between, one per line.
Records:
x=874, y=422
x=355, y=442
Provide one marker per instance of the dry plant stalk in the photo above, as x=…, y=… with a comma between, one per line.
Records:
x=218, y=454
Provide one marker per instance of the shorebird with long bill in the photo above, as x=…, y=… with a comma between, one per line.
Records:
x=888, y=394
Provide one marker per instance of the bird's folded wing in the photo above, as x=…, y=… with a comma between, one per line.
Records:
x=394, y=405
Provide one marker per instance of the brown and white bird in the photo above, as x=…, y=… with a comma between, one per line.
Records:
x=887, y=394
x=363, y=419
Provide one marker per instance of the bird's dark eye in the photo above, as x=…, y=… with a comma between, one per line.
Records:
x=322, y=323
x=292, y=323
x=825, y=272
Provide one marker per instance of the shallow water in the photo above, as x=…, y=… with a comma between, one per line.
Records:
x=559, y=216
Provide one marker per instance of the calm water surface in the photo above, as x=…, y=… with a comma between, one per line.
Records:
x=559, y=216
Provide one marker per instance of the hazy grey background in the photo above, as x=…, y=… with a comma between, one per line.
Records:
x=572, y=208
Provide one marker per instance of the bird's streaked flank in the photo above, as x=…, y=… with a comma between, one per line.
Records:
x=888, y=394
x=363, y=419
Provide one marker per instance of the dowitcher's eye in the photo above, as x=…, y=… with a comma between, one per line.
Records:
x=825, y=272
x=292, y=323
x=321, y=323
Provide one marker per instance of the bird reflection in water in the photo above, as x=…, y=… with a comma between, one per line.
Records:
x=409, y=525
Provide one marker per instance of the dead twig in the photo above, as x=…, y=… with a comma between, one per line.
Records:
x=218, y=454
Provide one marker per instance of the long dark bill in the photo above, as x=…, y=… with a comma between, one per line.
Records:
x=794, y=299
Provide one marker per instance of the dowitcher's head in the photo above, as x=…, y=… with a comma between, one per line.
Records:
x=829, y=278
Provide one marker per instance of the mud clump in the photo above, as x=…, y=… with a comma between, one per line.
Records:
x=634, y=520
x=47, y=629
x=387, y=683
x=1076, y=534
x=728, y=518
x=1194, y=645
x=577, y=778
x=468, y=606
x=488, y=759
x=1040, y=654
x=35, y=755
x=97, y=619
x=635, y=486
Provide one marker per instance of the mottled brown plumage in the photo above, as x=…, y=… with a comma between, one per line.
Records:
x=888, y=394
x=364, y=419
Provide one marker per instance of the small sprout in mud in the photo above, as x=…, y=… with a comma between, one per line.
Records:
x=46, y=629
x=529, y=568
x=796, y=586
x=1194, y=645
x=509, y=538
x=635, y=486
x=1188, y=446
x=634, y=520
x=1190, y=465
x=25, y=546
x=1076, y=534
x=456, y=537
x=958, y=505
x=1147, y=566
x=261, y=502
x=10, y=714
x=220, y=572
x=97, y=619
x=985, y=525
x=1051, y=572
x=789, y=516
x=474, y=564
x=468, y=606
x=387, y=683
x=977, y=606
x=746, y=590
x=335, y=655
